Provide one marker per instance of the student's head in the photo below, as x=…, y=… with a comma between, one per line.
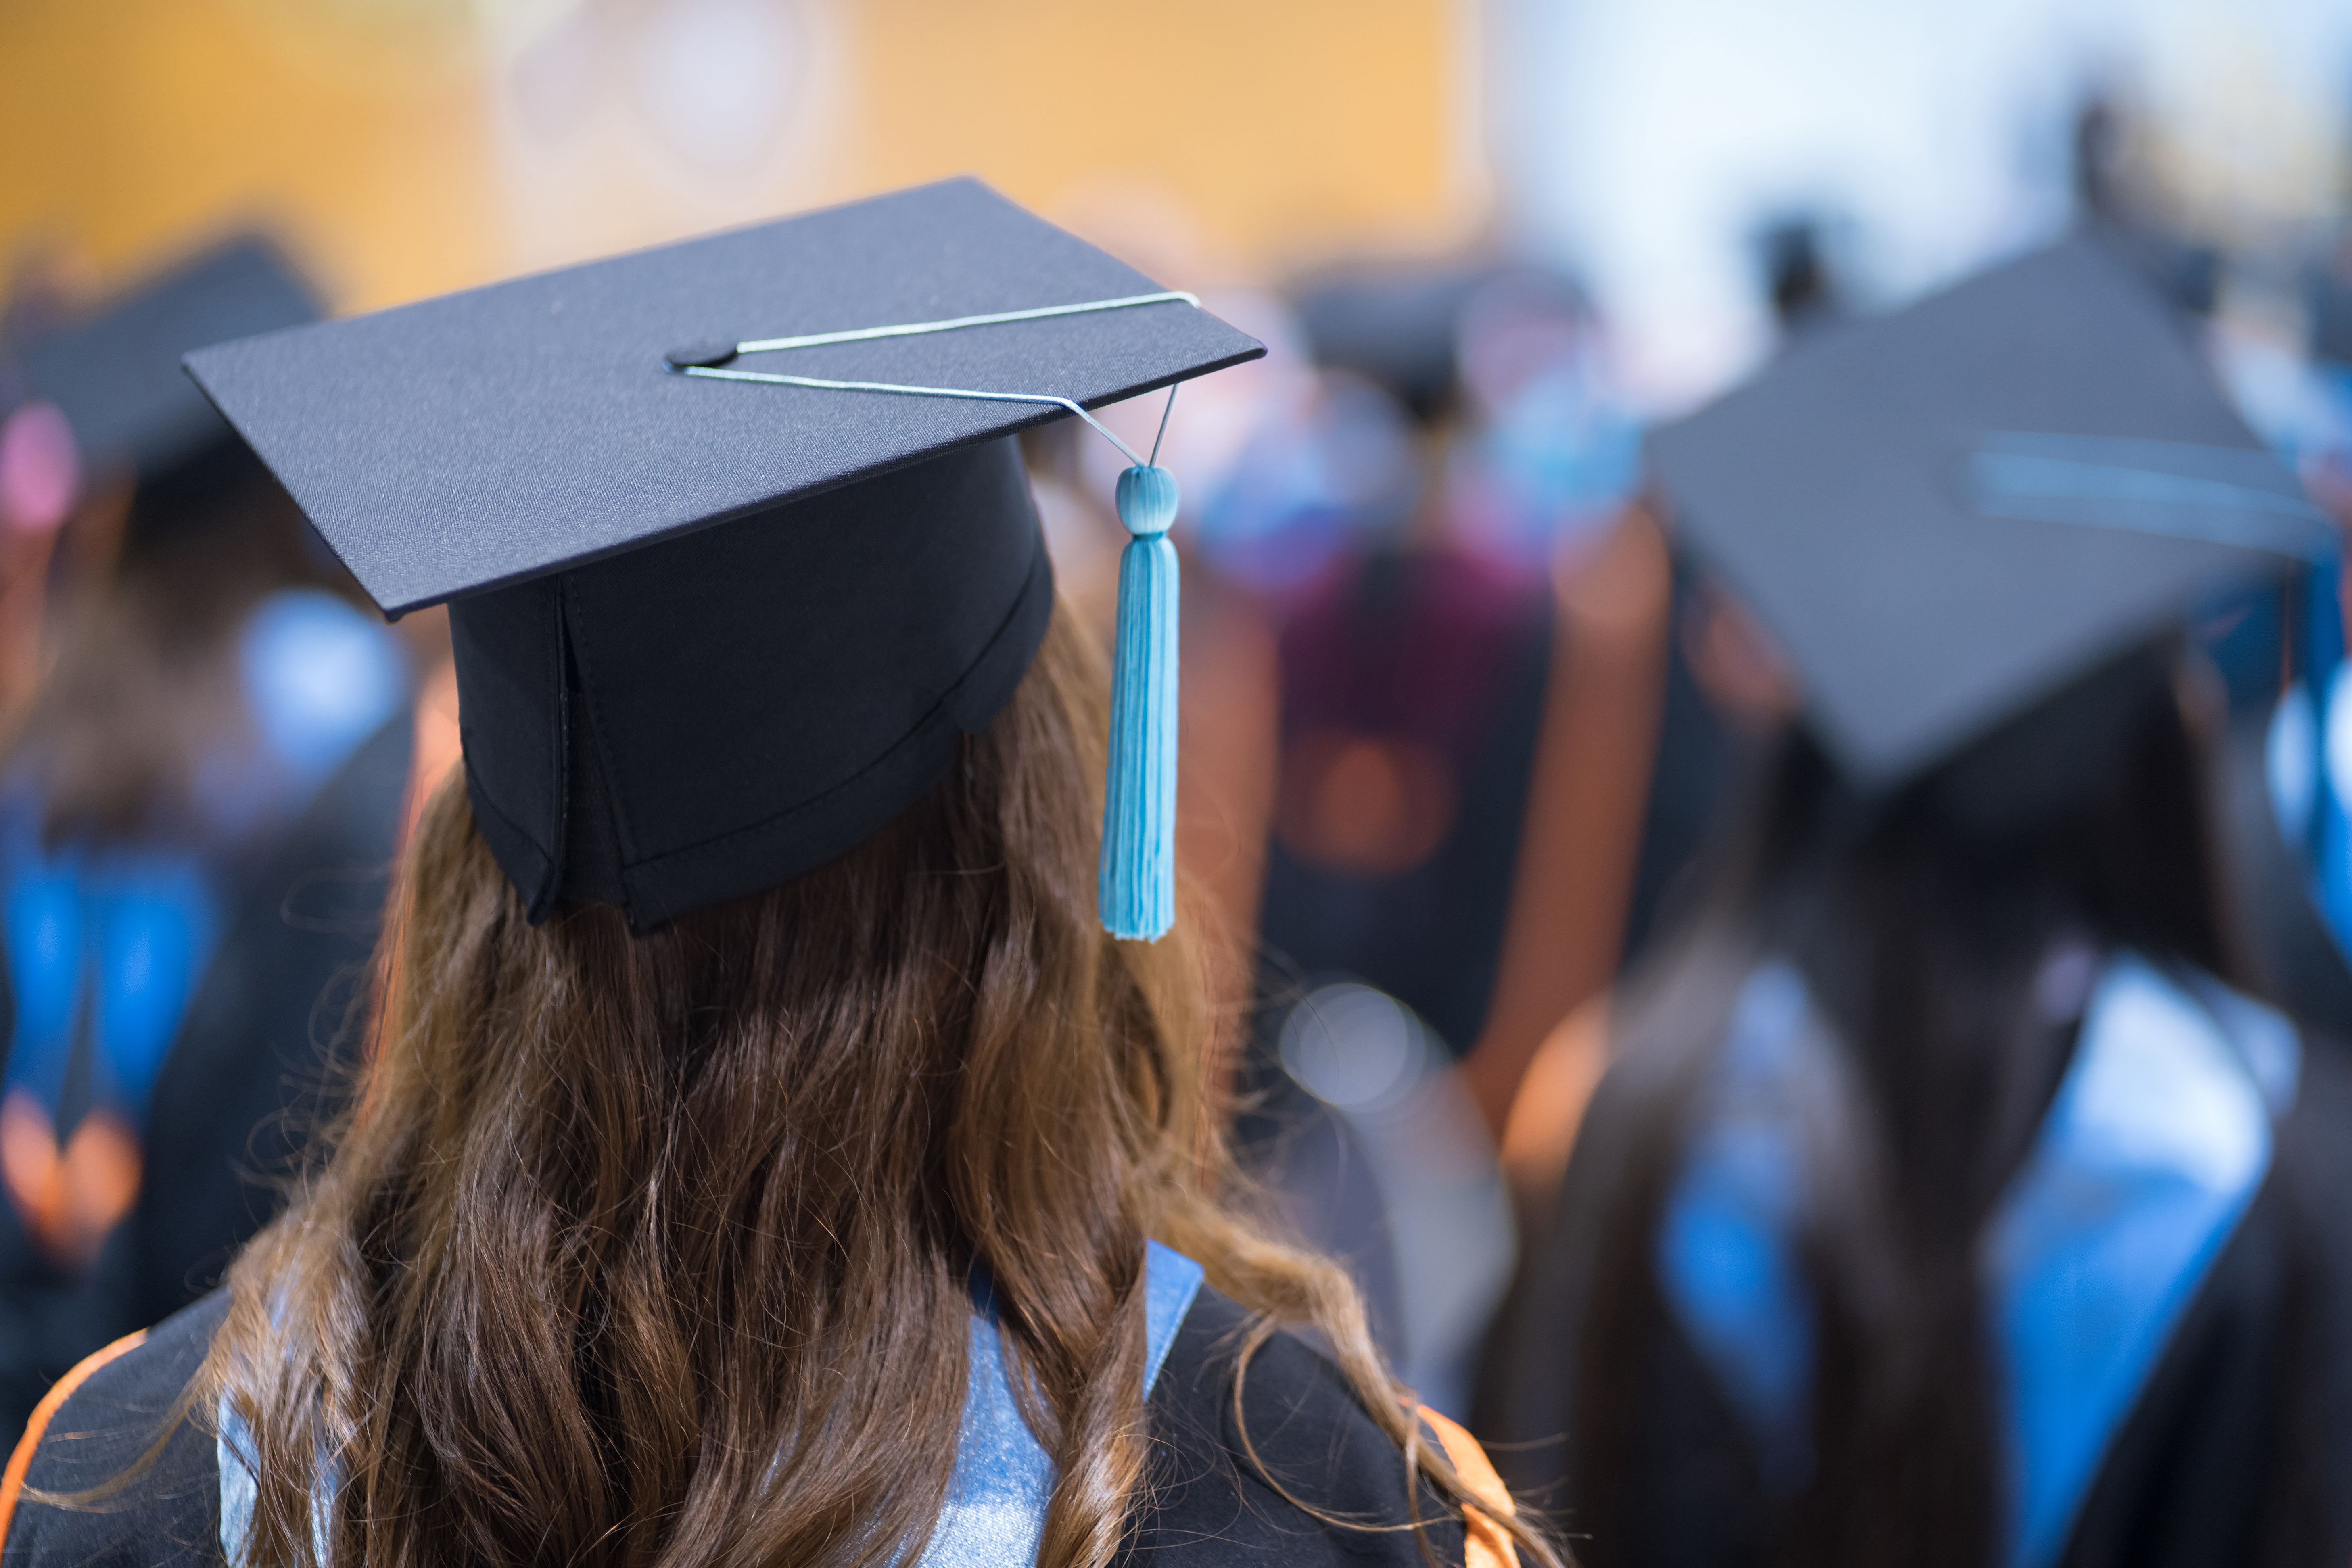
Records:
x=1965, y=533
x=2091, y=811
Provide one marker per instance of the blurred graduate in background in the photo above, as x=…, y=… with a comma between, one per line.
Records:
x=1417, y=661
x=1433, y=517
x=1952, y=1198
x=199, y=803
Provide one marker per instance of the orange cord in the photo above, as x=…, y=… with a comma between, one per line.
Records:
x=12, y=1481
x=1485, y=1544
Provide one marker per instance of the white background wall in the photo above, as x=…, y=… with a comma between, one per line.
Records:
x=1642, y=142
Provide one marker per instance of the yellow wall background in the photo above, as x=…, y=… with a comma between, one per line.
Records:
x=382, y=137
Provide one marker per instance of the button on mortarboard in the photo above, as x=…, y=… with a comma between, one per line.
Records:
x=824, y=588
x=706, y=355
x=1951, y=512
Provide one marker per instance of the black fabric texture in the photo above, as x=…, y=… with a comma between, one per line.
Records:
x=46, y=1323
x=2240, y=1447
x=1211, y=1507
x=686, y=725
x=258, y=1064
x=513, y=705
x=486, y=438
x=166, y=1516
x=1206, y=1505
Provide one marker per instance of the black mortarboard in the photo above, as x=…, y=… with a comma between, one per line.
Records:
x=1949, y=513
x=115, y=375
x=711, y=634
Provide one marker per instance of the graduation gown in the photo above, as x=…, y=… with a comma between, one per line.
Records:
x=1205, y=1505
x=2231, y=1446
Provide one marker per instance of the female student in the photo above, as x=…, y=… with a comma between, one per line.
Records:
x=768, y=1155
x=1951, y=1199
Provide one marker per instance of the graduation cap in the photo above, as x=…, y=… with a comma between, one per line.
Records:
x=1952, y=513
x=734, y=535
x=115, y=375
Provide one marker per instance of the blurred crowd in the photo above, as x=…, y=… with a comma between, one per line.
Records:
x=1690, y=1086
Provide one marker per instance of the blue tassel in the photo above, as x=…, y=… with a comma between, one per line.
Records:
x=1137, y=894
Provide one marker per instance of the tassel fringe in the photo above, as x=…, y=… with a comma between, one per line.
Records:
x=1137, y=890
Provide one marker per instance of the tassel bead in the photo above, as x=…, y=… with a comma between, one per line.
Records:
x=1147, y=500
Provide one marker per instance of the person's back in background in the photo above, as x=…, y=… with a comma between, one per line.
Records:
x=197, y=811
x=1951, y=1200
x=1463, y=728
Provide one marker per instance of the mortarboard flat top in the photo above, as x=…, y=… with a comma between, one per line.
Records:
x=115, y=375
x=1949, y=513
x=710, y=634
x=488, y=438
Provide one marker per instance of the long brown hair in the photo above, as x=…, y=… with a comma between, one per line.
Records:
x=1921, y=929
x=657, y=1250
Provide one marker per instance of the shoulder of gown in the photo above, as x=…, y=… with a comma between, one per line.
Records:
x=2237, y=1450
x=1210, y=1504
x=92, y=1433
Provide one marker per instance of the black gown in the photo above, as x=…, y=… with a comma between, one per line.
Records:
x=1207, y=1506
x=2237, y=1450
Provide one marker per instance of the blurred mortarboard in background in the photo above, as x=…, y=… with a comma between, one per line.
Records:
x=1393, y=326
x=1948, y=514
x=115, y=374
x=712, y=634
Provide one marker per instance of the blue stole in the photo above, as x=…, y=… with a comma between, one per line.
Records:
x=2307, y=762
x=2158, y=1137
x=995, y=1512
